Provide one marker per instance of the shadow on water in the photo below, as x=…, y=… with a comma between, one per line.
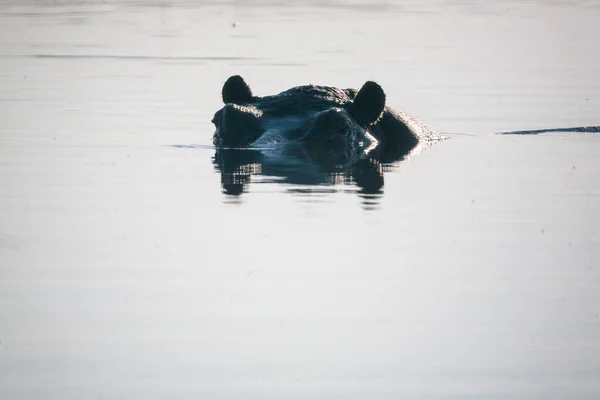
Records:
x=302, y=174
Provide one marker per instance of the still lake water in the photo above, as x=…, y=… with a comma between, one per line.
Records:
x=126, y=272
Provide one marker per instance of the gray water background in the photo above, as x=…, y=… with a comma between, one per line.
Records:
x=126, y=273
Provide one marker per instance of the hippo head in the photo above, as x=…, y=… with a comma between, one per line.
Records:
x=329, y=121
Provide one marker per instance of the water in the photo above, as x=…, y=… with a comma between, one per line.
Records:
x=126, y=272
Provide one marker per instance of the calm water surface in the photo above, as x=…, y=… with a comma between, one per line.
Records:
x=126, y=272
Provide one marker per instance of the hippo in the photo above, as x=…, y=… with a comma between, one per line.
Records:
x=336, y=125
x=312, y=135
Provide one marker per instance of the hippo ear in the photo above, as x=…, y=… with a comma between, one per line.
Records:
x=236, y=90
x=368, y=104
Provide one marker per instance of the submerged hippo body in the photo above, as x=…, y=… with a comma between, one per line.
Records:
x=311, y=135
